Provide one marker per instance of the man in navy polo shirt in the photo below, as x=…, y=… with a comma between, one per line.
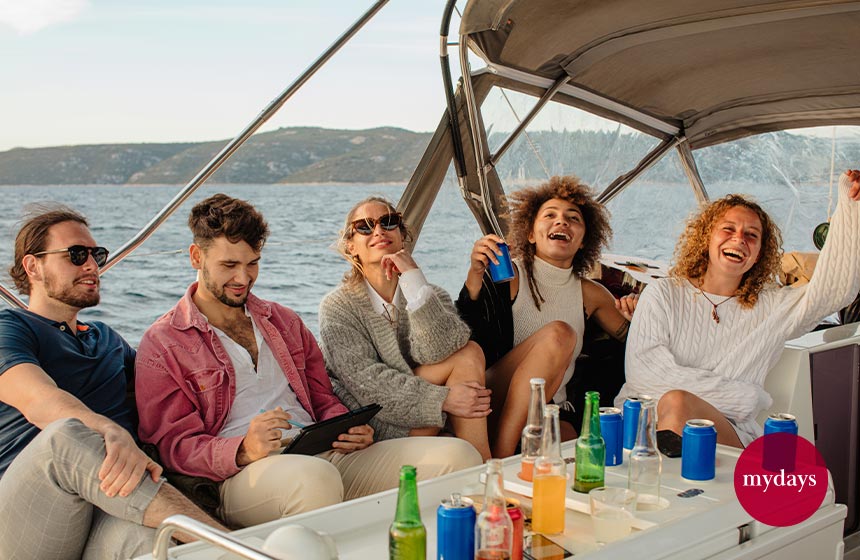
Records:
x=73, y=482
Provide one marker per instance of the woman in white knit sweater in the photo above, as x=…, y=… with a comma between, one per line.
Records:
x=704, y=339
x=388, y=336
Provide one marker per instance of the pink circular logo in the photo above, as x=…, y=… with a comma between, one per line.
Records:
x=780, y=479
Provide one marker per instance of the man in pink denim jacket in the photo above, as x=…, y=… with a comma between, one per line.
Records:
x=224, y=377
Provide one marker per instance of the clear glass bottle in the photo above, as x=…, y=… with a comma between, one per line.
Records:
x=645, y=462
x=550, y=479
x=590, y=468
x=532, y=434
x=494, y=529
x=407, y=537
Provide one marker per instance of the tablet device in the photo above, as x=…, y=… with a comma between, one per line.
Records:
x=318, y=437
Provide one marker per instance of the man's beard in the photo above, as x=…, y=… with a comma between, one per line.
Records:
x=221, y=295
x=70, y=296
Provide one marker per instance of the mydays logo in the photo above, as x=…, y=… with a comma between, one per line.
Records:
x=780, y=479
x=797, y=480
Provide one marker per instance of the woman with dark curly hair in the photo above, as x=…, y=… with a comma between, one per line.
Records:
x=704, y=339
x=557, y=232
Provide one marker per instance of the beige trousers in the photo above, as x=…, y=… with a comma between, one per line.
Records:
x=284, y=485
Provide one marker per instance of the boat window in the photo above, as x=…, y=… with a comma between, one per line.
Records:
x=648, y=215
x=787, y=172
x=446, y=240
x=561, y=140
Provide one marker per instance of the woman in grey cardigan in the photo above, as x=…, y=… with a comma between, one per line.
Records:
x=388, y=336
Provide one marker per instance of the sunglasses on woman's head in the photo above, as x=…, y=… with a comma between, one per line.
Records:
x=365, y=226
x=79, y=254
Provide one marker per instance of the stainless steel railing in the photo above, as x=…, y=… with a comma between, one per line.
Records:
x=204, y=533
x=240, y=139
x=222, y=156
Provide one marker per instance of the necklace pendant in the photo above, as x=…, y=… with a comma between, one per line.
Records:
x=714, y=315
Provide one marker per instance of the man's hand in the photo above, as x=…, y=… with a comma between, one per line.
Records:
x=468, y=400
x=124, y=464
x=356, y=439
x=263, y=437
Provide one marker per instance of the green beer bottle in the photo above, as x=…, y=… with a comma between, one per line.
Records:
x=590, y=448
x=407, y=538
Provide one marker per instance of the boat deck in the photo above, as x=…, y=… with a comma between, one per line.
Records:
x=707, y=525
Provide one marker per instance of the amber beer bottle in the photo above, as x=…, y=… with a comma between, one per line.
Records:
x=494, y=528
x=590, y=449
x=407, y=538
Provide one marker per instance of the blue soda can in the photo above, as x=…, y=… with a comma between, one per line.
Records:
x=503, y=271
x=699, y=450
x=632, y=407
x=455, y=529
x=779, y=453
x=610, y=428
x=780, y=422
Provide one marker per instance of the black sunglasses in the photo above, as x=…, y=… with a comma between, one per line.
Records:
x=365, y=226
x=79, y=254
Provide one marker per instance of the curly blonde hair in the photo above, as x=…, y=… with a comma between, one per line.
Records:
x=356, y=273
x=691, y=253
x=524, y=205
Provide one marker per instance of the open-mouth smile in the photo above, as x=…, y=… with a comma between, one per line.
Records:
x=733, y=255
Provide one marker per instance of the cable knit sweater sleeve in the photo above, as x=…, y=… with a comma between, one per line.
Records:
x=652, y=369
x=673, y=343
x=368, y=362
x=836, y=279
x=436, y=330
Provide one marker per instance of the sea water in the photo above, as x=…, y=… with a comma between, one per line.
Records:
x=299, y=265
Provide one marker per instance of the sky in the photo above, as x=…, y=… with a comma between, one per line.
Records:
x=117, y=71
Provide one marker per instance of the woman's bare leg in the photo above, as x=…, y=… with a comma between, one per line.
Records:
x=676, y=407
x=546, y=354
x=418, y=432
x=568, y=432
x=467, y=364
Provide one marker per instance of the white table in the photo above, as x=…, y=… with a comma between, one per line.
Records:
x=709, y=525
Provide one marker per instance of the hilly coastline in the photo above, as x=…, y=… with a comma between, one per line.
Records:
x=287, y=155
x=308, y=155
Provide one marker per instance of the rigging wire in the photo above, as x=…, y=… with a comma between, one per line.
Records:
x=526, y=134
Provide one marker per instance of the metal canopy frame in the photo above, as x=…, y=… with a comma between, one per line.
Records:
x=584, y=44
x=489, y=189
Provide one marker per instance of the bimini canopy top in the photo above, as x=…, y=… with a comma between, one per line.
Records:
x=711, y=71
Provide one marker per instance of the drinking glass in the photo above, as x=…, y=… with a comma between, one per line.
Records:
x=612, y=511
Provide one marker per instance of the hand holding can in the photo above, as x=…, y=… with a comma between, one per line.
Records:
x=504, y=270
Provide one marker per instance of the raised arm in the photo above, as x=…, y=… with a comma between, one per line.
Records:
x=652, y=369
x=836, y=279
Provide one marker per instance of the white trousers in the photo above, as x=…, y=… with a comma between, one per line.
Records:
x=283, y=485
